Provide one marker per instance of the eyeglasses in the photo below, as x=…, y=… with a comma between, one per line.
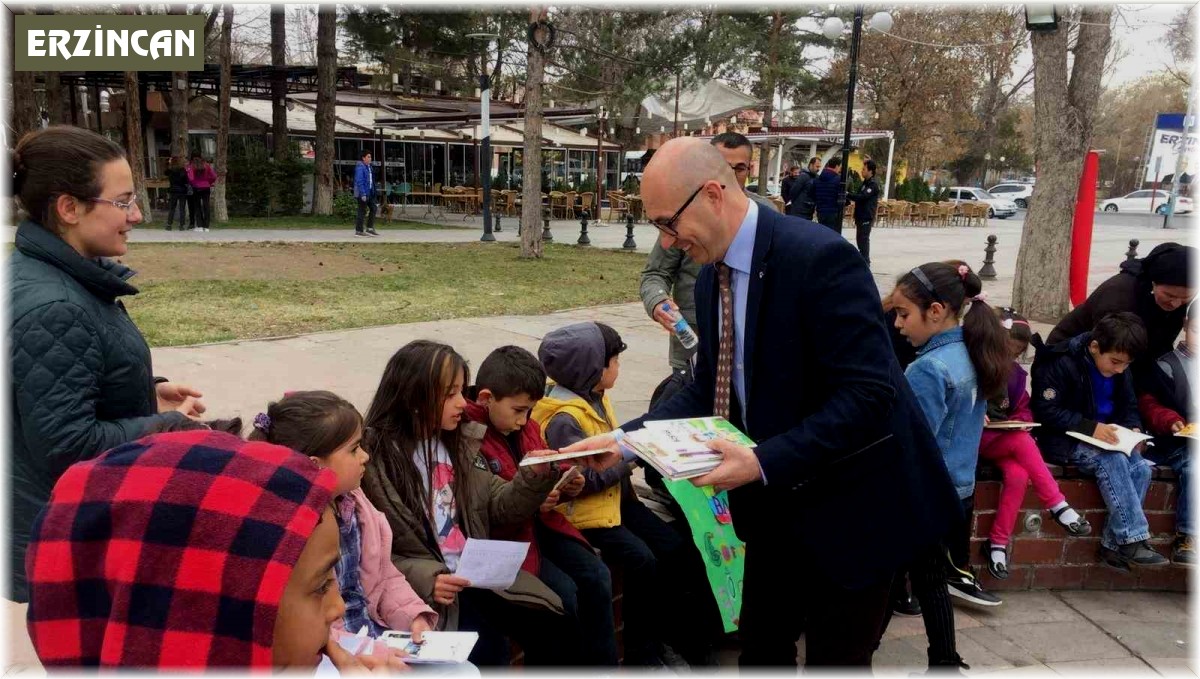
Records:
x=668, y=227
x=740, y=167
x=127, y=207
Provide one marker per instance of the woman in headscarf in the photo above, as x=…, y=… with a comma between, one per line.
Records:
x=1157, y=288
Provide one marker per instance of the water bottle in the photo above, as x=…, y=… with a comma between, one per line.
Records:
x=687, y=336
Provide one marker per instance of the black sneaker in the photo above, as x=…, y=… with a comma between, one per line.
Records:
x=1183, y=551
x=373, y=232
x=964, y=587
x=1135, y=554
x=168, y=227
x=906, y=607
x=360, y=233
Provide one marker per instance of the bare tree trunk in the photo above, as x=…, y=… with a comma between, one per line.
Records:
x=531, y=172
x=54, y=99
x=220, y=206
x=279, y=127
x=1064, y=112
x=177, y=103
x=764, y=153
x=25, y=115
x=178, y=106
x=326, y=93
x=134, y=142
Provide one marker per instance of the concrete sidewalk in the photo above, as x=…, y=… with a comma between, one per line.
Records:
x=1139, y=634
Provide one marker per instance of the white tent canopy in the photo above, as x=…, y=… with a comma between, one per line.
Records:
x=710, y=101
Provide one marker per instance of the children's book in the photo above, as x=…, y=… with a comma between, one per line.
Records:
x=1127, y=440
x=1011, y=425
x=678, y=449
x=530, y=460
x=436, y=648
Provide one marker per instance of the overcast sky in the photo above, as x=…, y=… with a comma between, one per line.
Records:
x=1141, y=29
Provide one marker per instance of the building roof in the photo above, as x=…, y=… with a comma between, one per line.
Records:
x=355, y=120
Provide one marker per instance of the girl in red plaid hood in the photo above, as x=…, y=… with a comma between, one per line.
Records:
x=188, y=549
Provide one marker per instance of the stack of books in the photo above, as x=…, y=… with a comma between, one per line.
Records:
x=678, y=449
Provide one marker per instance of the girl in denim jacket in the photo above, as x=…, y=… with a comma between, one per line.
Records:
x=962, y=359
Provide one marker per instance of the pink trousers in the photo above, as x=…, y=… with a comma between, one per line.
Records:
x=1020, y=461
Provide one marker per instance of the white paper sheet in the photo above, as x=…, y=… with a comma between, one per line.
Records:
x=491, y=564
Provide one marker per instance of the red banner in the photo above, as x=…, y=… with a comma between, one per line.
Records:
x=1081, y=231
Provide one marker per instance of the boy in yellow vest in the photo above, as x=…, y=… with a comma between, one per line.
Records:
x=666, y=594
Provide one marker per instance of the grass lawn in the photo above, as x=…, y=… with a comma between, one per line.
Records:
x=195, y=293
x=309, y=222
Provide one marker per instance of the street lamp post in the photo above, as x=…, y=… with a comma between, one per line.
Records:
x=882, y=22
x=485, y=144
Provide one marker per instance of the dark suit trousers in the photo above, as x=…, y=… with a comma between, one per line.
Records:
x=783, y=595
x=862, y=235
x=832, y=220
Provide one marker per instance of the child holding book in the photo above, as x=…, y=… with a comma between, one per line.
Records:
x=190, y=549
x=666, y=598
x=508, y=386
x=328, y=430
x=1167, y=407
x=1082, y=386
x=426, y=475
x=1017, y=456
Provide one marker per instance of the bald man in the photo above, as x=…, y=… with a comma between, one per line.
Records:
x=846, y=484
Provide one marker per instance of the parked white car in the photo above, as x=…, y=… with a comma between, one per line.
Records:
x=1016, y=192
x=997, y=207
x=1141, y=201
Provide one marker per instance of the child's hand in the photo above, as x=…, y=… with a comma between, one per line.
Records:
x=572, y=488
x=1106, y=433
x=1177, y=427
x=540, y=469
x=384, y=663
x=551, y=500
x=446, y=588
x=420, y=626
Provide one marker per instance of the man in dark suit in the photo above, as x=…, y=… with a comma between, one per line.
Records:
x=846, y=484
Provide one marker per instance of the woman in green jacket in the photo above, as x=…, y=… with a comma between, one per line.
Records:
x=81, y=379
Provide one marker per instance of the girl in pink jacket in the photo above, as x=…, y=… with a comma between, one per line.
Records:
x=328, y=430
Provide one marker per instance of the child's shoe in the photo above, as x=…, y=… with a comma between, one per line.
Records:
x=997, y=560
x=1183, y=551
x=1135, y=554
x=964, y=586
x=1078, y=528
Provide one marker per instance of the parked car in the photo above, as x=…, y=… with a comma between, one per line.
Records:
x=772, y=188
x=1016, y=192
x=1141, y=201
x=997, y=207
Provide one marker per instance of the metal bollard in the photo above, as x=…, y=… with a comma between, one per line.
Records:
x=546, y=235
x=630, y=244
x=988, y=271
x=583, y=236
x=1131, y=254
x=497, y=229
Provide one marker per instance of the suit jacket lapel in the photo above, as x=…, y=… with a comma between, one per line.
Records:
x=758, y=272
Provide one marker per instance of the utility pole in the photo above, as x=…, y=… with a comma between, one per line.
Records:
x=855, y=35
x=1183, y=150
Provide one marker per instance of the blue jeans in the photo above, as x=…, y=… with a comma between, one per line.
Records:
x=580, y=578
x=1123, y=481
x=1181, y=461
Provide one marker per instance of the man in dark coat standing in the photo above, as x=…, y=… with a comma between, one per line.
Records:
x=865, y=202
x=826, y=193
x=793, y=351
x=802, y=200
